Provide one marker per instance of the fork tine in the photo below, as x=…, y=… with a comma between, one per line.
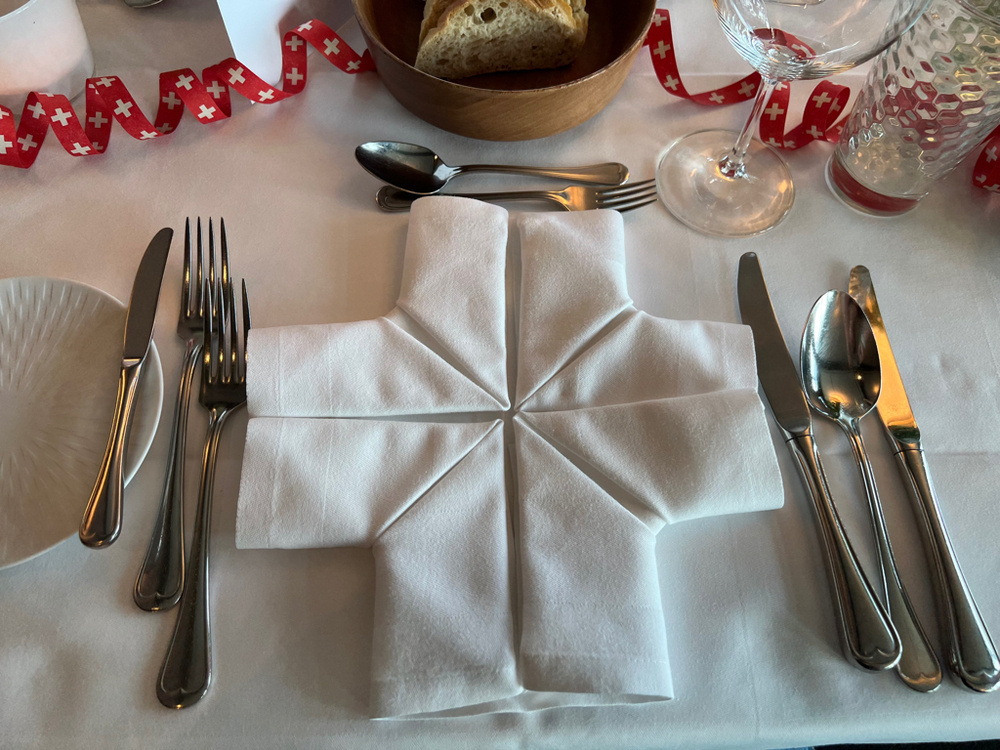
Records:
x=186, y=297
x=616, y=201
x=199, y=306
x=246, y=328
x=627, y=189
x=227, y=332
x=636, y=205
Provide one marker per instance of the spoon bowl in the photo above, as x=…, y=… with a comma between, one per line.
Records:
x=842, y=377
x=841, y=371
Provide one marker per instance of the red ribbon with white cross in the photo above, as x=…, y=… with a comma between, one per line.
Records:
x=819, y=118
x=207, y=98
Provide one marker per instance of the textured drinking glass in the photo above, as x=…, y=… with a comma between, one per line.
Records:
x=740, y=190
x=929, y=99
x=43, y=48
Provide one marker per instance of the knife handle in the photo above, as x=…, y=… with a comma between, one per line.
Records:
x=972, y=656
x=867, y=635
x=102, y=521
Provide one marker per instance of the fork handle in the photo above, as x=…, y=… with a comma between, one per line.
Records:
x=102, y=520
x=161, y=577
x=186, y=674
x=393, y=199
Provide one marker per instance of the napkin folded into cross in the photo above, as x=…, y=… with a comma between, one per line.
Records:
x=513, y=535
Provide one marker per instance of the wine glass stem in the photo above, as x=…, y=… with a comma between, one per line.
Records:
x=732, y=165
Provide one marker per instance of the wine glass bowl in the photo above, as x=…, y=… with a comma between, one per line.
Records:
x=723, y=183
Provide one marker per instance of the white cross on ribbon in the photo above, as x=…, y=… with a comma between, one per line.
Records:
x=661, y=49
x=294, y=43
x=822, y=98
x=815, y=132
x=184, y=81
x=37, y=110
x=266, y=95
x=97, y=120
x=353, y=65
x=747, y=88
x=236, y=75
x=145, y=135
x=216, y=89
x=171, y=100
x=124, y=108
x=991, y=153
x=79, y=149
x=206, y=113
x=105, y=81
x=717, y=97
x=5, y=144
x=61, y=116
x=671, y=83
x=774, y=111
x=306, y=26
x=165, y=127
x=27, y=142
x=294, y=76
x=332, y=47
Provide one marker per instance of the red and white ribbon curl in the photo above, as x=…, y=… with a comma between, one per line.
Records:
x=207, y=98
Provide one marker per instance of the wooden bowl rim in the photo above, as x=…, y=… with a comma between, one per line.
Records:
x=461, y=88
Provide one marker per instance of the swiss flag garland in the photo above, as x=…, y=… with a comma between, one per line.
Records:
x=819, y=119
x=208, y=99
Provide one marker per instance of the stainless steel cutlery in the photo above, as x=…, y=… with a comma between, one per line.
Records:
x=161, y=576
x=572, y=198
x=417, y=169
x=867, y=635
x=842, y=379
x=102, y=519
x=848, y=370
x=186, y=673
x=972, y=657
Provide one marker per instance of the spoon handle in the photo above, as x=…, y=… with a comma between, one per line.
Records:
x=918, y=666
x=868, y=636
x=609, y=173
x=972, y=656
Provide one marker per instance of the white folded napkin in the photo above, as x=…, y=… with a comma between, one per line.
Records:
x=530, y=584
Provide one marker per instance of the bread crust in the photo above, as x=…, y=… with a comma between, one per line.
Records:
x=461, y=38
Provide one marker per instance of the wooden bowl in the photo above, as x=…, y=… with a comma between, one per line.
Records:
x=507, y=106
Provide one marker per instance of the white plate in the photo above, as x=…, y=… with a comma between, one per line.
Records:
x=60, y=355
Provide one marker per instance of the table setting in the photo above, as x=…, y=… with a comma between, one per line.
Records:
x=491, y=470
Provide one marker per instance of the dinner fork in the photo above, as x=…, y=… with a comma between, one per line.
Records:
x=161, y=576
x=186, y=674
x=573, y=198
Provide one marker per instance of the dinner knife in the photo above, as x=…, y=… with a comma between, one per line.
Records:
x=972, y=656
x=867, y=635
x=102, y=520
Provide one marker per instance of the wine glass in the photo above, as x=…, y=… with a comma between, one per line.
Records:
x=741, y=190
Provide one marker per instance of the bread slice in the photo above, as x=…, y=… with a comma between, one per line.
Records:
x=461, y=38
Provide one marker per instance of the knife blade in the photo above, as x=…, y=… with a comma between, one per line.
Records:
x=868, y=637
x=102, y=519
x=972, y=657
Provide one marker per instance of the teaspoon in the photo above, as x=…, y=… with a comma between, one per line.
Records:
x=419, y=170
x=842, y=376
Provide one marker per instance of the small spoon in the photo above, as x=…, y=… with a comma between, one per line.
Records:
x=419, y=170
x=842, y=376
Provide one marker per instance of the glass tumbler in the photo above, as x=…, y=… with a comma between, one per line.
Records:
x=929, y=99
x=43, y=48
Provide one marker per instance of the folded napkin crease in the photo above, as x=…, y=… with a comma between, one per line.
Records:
x=515, y=549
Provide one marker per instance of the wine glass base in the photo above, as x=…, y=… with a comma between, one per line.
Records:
x=692, y=187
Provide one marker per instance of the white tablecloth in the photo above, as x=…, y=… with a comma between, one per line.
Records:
x=749, y=616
